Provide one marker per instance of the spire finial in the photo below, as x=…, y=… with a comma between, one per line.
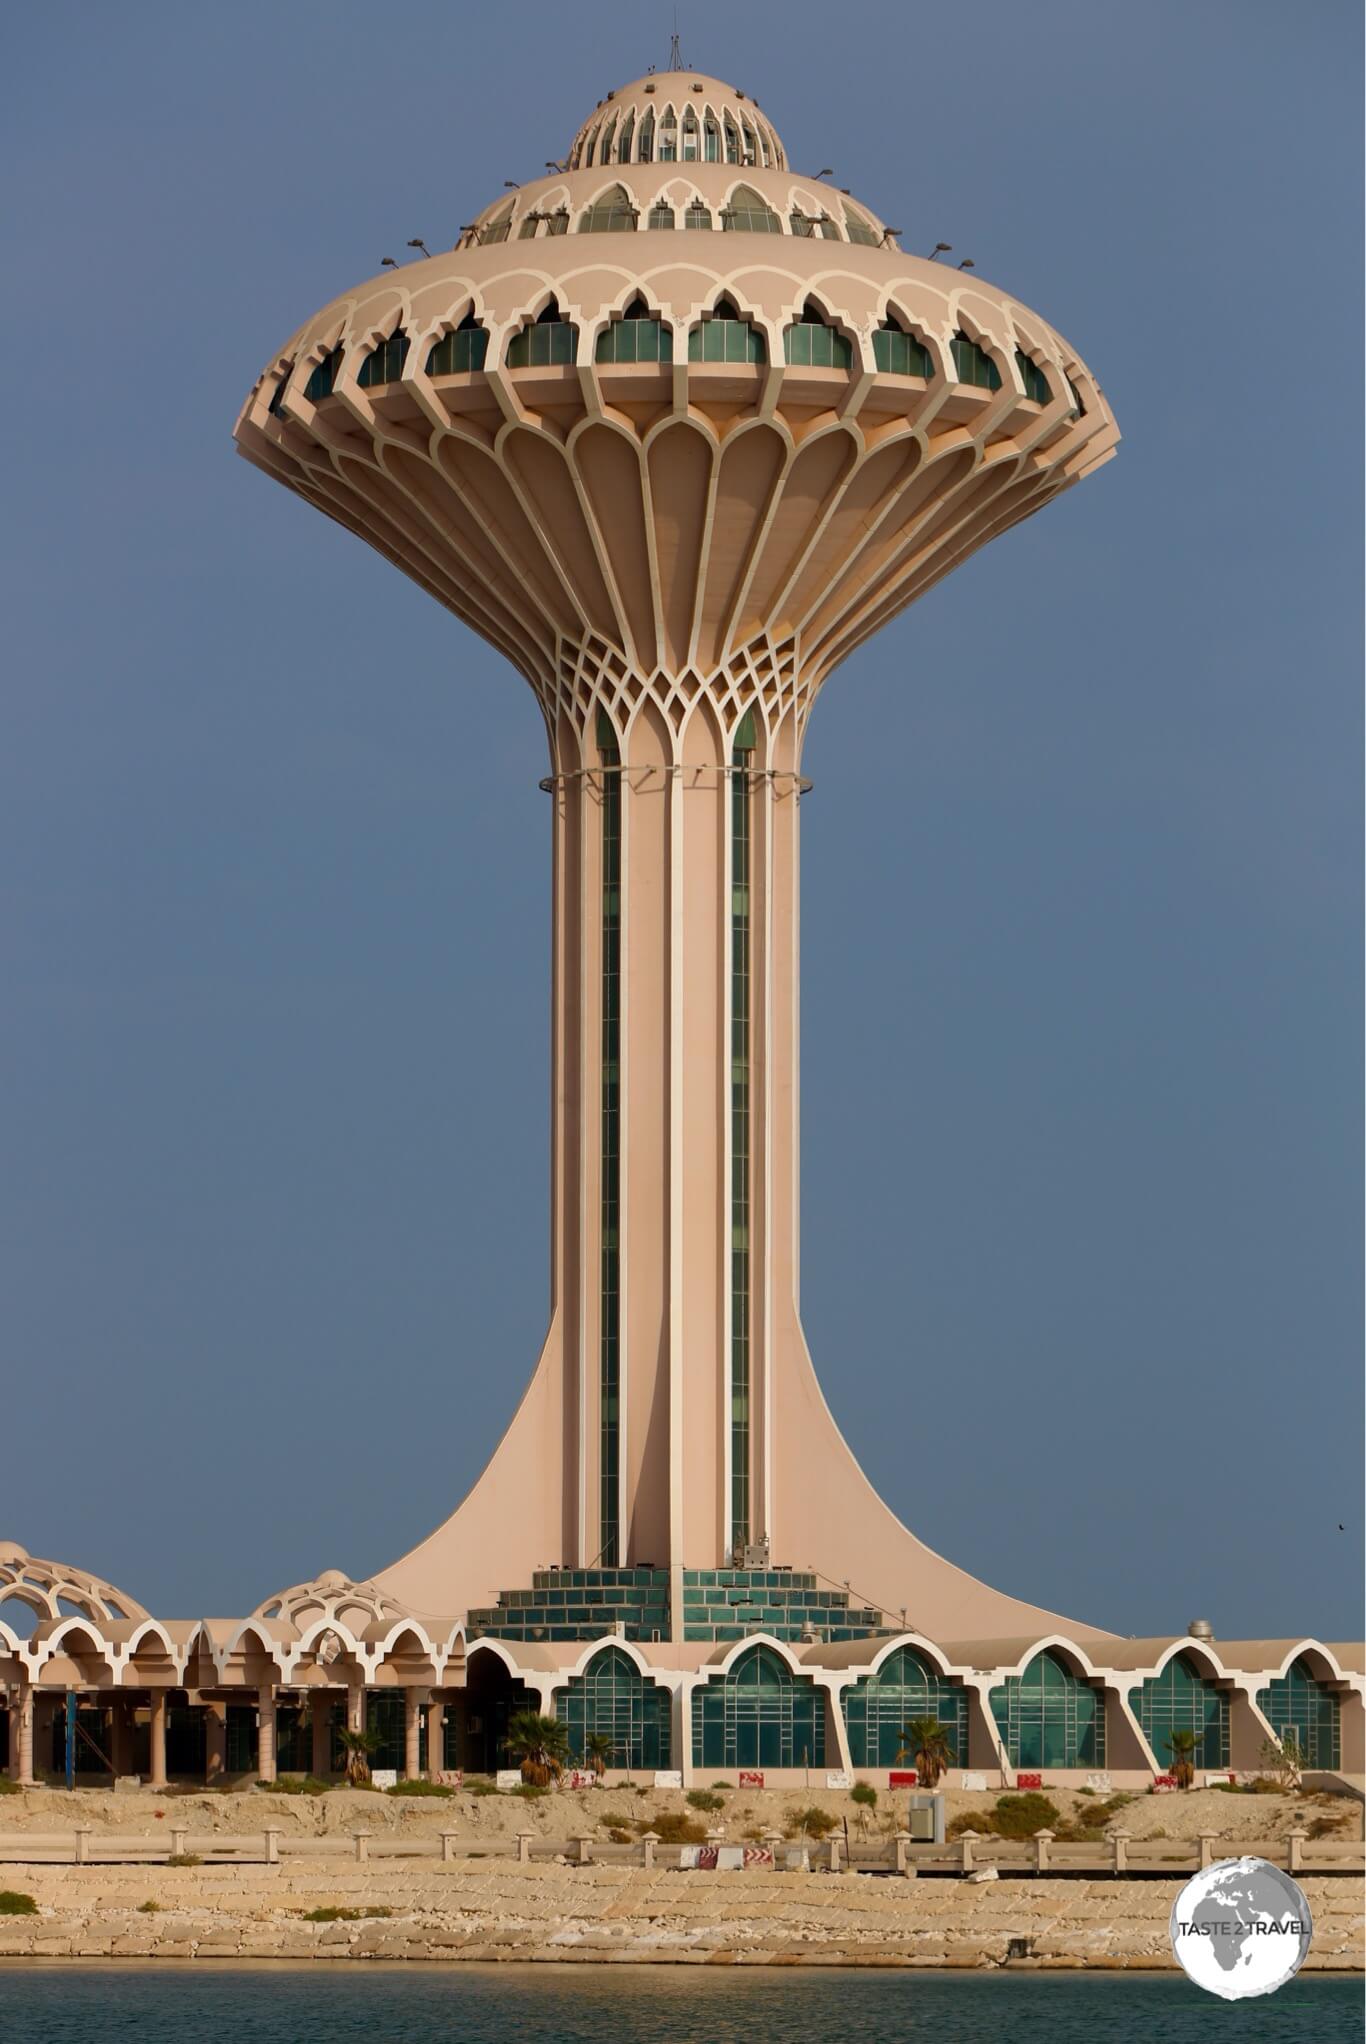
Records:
x=676, y=48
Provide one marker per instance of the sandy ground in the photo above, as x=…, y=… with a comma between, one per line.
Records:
x=567, y=1813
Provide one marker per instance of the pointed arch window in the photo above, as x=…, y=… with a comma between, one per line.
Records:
x=1049, y=1717
x=558, y=221
x=610, y=213
x=1182, y=1699
x=613, y=1700
x=548, y=342
x=803, y=225
x=661, y=216
x=723, y=336
x=711, y=135
x=587, y=158
x=276, y=408
x=668, y=136
x=690, y=137
x=605, y=153
x=759, y=1715
x=878, y=1708
x=1033, y=378
x=463, y=350
x=384, y=364
x=499, y=228
x=898, y=353
x=812, y=343
x=1297, y=1705
x=323, y=378
x=636, y=337
x=747, y=213
x=647, y=135
x=860, y=228
x=973, y=365
x=698, y=216
x=624, y=139
x=751, y=145
x=732, y=141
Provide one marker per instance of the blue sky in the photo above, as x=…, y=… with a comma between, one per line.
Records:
x=1081, y=1022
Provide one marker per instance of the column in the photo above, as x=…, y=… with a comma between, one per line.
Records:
x=215, y=1741
x=436, y=1737
x=158, y=1738
x=265, y=1739
x=320, y=1714
x=412, y=1733
x=120, y=1738
x=22, y=1712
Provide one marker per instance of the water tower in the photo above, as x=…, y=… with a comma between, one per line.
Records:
x=677, y=428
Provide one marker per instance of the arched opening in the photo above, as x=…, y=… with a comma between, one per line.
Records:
x=668, y=136
x=492, y=1695
x=384, y=364
x=759, y=1715
x=647, y=136
x=747, y=213
x=898, y=353
x=724, y=336
x=812, y=343
x=972, y=364
x=660, y=215
x=548, y=341
x=691, y=136
x=878, y=1710
x=624, y=140
x=1297, y=1705
x=698, y=216
x=499, y=227
x=860, y=228
x=322, y=379
x=1033, y=378
x=613, y=1702
x=610, y=213
x=1181, y=1699
x=712, y=138
x=638, y=336
x=1049, y=1717
x=461, y=351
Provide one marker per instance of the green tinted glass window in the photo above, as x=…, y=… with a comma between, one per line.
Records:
x=636, y=340
x=384, y=364
x=807, y=345
x=1297, y=1705
x=973, y=365
x=323, y=377
x=1181, y=1699
x=725, y=340
x=1049, y=1717
x=463, y=350
x=900, y=354
x=1033, y=378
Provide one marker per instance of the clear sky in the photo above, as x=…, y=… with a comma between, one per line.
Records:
x=1081, y=1022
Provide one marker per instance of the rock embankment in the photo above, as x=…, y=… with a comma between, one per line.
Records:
x=480, y=1910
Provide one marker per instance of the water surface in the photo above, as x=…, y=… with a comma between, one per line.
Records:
x=203, y=2003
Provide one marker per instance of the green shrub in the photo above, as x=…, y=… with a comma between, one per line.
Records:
x=672, y=1827
x=296, y=1785
x=12, y=1903
x=1017, y=1816
x=723, y=1784
x=619, y=1835
x=864, y=1792
x=149, y=1907
x=614, y=1819
x=703, y=1799
x=813, y=1823
x=8, y=1787
x=345, y=1915
x=529, y=1789
x=419, y=1788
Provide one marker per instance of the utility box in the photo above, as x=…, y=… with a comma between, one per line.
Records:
x=925, y=1819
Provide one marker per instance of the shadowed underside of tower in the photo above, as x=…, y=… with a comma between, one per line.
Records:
x=676, y=430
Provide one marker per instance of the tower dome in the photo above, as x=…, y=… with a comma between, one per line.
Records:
x=677, y=117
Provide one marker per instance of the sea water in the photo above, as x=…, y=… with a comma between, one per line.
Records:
x=202, y=2003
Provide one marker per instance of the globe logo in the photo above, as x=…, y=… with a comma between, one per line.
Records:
x=1241, y=1928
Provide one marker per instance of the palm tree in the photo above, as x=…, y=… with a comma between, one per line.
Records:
x=1182, y=1745
x=599, y=1750
x=541, y=1744
x=929, y=1745
x=357, y=1746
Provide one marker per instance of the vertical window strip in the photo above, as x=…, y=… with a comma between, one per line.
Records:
x=740, y=849
x=609, y=1348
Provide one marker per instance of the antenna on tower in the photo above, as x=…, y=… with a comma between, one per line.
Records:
x=676, y=48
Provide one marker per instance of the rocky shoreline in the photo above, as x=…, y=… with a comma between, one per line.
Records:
x=481, y=1911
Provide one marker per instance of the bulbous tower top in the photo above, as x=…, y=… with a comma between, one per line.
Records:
x=675, y=420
